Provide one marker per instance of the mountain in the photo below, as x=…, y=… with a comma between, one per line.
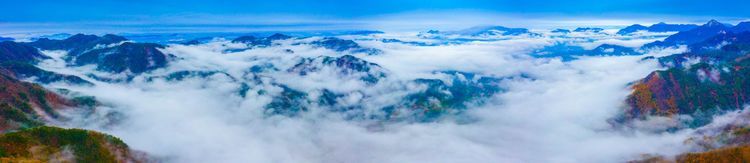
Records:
x=726, y=154
x=700, y=84
x=564, y=51
x=659, y=27
x=18, y=60
x=291, y=102
x=701, y=33
x=439, y=98
x=192, y=42
x=571, y=52
x=53, y=144
x=710, y=29
x=266, y=41
x=56, y=36
x=346, y=65
x=78, y=43
x=22, y=70
x=709, y=80
x=333, y=43
x=12, y=51
x=741, y=27
x=664, y=27
x=197, y=41
x=445, y=98
x=632, y=29
x=611, y=50
x=336, y=44
x=432, y=31
x=245, y=39
x=479, y=31
x=363, y=32
x=587, y=29
x=492, y=31
x=726, y=140
x=278, y=36
x=430, y=34
x=341, y=45
x=25, y=104
x=25, y=108
x=414, y=43
x=6, y=39
x=560, y=31
x=719, y=40
x=133, y=57
x=110, y=53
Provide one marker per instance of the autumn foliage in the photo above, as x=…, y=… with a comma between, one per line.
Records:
x=728, y=154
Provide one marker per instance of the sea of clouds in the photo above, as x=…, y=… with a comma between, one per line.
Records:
x=558, y=112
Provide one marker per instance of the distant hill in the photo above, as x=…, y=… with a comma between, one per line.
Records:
x=698, y=34
x=659, y=27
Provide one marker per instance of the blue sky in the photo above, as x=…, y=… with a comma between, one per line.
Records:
x=302, y=12
x=101, y=10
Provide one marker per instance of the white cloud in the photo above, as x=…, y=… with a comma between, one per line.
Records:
x=558, y=115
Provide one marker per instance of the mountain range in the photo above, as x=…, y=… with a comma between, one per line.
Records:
x=479, y=31
x=708, y=80
x=698, y=34
x=659, y=27
x=26, y=108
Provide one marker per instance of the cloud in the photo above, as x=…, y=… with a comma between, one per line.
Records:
x=558, y=113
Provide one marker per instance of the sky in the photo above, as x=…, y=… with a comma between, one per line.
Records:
x=355, y=14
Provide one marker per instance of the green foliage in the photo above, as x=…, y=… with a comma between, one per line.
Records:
x=741, y=131
x=88, y=146
x=442, y=97
x=85, y=101
x=41, y=96
x=23, y=96
x=9, y=113
x=290, y=102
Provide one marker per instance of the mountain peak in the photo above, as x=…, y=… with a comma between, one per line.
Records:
x=492, y=31
x=747, y=23
x=82, y=36
x=114, y=37
x=279, y=36
x=588, y=29
x=713, y=22
x=244, y=39
x=108, y=38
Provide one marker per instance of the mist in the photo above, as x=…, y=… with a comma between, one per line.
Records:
x=550, y=110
